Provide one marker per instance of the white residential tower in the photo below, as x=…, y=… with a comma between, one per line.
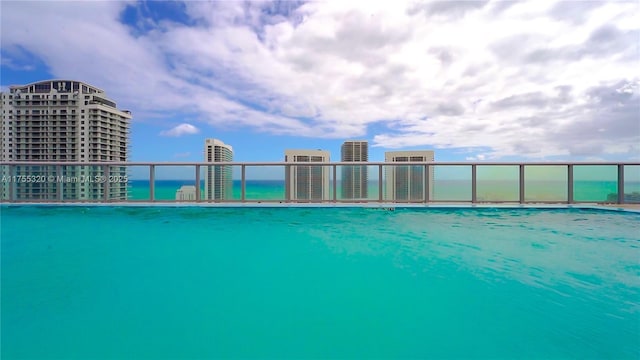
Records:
x=307, y=182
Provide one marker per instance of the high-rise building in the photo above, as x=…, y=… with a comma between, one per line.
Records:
x=63, y=121
x=218, y=180
x=354, y=177
x=407, y=183
x=307, y=182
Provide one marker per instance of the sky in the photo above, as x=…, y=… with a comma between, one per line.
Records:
x=471, y=80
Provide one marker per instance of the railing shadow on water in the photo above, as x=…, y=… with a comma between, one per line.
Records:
x=356, y=183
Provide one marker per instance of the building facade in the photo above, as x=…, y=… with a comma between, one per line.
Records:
x=408, y=182
x=354, y=179
x=186, y=193
x=218, y=180
x=307, y=182
x=63, y=121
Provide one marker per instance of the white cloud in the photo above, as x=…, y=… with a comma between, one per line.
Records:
x=525, y=79
x=180, y=130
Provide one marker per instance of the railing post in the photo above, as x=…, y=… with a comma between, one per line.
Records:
x=379, y=183
x=521, y=180
x=58, y=181
x=243, y=183
x=570, y=188
x=474, y=193
x=105, y=172
x=12, y=183
x=287, y=185
x=198, y=193
x=620, y=183
x=152, y=176
x=427, y=182
x=335, y=183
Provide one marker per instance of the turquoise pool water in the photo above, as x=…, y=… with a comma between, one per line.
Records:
x=109, y=282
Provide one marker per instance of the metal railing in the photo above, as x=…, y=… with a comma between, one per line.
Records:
x=309, y=182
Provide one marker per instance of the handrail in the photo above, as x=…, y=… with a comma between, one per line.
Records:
x=276, y=163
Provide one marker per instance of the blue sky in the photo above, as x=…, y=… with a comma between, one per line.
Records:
x=474, y=80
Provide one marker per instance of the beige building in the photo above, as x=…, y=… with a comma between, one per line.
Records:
x=407, y=183
x=354, y=178
x=218, y=180
x=186, y=193
x=308, y=182
x=64, y=121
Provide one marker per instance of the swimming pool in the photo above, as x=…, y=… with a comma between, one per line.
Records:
x=164, y=282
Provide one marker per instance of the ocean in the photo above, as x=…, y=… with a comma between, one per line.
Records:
x=450, y=190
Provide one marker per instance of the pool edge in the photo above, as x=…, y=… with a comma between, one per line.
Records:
x=632, y=208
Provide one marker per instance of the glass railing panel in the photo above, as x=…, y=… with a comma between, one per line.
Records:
x=34, y=182
x=118, y=181
x=451, y=183
x=595, y=183
x=374, y=185
x=632, y=184
x=334, y=186
x=497, y=183
x=403, y=183
x=308, y=183
x=546, y=183
x=357, y=183
x=236, y=181
x=138, y=185
x=5, y=184
x=81, y=183
x=220, y=182
x=265, y=183
x=175, y=183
